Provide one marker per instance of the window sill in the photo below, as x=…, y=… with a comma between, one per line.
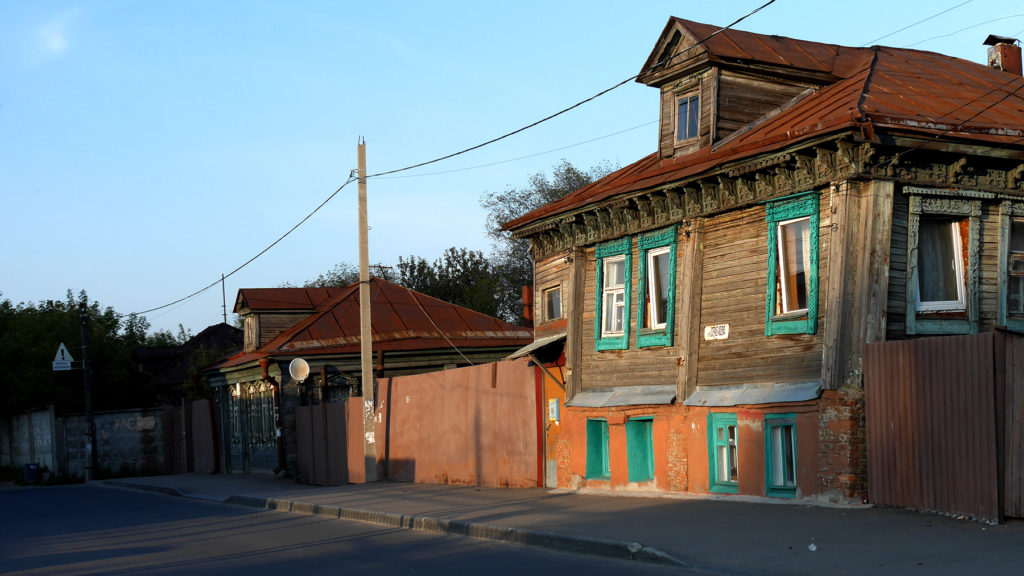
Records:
x=649, y=338
x=725, y=489
x=789, y=325
x=779, y=492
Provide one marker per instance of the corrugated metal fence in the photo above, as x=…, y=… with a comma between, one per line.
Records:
x=943, y=418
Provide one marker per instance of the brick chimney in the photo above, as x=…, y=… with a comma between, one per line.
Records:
x=1004, y=53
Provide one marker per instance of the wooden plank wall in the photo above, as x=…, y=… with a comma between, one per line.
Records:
x=988, y=282
x=271, y=325
x=931, y=425
x=631, y=367
x=555, y=271
x=743, y=99
x=667, y=127
x=734, y=290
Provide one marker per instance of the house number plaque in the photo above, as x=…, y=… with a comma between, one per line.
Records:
x=716, y=332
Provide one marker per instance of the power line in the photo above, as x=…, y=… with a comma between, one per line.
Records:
x=251, y=260
x=916, y=23
x=564, y=110
x=524, y=157
x=446, y=157
x=965, y=29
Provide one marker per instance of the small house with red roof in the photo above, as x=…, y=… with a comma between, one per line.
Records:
x=714, y=298
x=412, y=333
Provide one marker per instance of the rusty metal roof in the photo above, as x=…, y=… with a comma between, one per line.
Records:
x=401, y=319
x=878, y=89
x=282, y=299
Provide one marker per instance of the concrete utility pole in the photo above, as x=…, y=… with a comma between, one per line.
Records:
x=365, y=332
x=90, y=447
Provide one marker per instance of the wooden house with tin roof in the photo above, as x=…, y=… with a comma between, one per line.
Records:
x=804, y=199
x=412, y=333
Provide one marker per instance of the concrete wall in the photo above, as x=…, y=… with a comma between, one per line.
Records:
x=28, y=438
x=472, y=426
x=132, y=442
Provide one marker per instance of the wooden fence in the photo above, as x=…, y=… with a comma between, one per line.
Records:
x=943, y=418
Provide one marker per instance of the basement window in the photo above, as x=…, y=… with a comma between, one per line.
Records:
x=780, y=454
x=722, y=453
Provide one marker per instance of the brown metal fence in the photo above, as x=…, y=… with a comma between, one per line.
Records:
x=940, y=416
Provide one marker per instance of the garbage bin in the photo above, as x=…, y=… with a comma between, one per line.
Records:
x=31, y=473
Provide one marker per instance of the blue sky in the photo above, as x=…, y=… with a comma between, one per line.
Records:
x=149, y=147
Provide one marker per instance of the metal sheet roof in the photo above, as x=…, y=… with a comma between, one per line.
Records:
x=624, y=396
x=401, y=319
x=745, y=394
x=876, y=89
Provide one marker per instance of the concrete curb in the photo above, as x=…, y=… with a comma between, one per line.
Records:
x=146, y=487
x=522, y=536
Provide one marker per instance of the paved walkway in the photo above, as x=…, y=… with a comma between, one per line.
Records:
x=719, y=535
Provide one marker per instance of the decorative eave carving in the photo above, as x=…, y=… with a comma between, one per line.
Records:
x=735, y=186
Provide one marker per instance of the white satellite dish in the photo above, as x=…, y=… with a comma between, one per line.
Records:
x=298, y=369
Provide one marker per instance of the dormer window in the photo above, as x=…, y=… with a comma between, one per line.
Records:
x=687, y=116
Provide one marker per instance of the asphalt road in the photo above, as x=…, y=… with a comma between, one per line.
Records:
x=93, y=529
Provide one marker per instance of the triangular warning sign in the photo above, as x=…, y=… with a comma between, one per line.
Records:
x=62, y=354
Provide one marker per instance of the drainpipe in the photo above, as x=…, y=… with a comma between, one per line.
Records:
x=265, y=365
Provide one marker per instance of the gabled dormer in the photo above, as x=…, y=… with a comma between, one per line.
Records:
x=267, y=312
x=716, y=82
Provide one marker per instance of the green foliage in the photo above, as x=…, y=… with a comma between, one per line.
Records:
x=29, y=337
x=460, y=276
x=510, y=257
x=342, y=274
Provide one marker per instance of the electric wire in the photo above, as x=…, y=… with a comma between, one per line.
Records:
x=251, y=260
x=965, y=29
x=446, y=157
x=916, y=23
x=564, y=110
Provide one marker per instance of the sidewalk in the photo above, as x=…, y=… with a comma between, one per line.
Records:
x=717, y=535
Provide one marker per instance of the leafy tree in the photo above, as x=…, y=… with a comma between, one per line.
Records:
x=510, y=257
x=460, y=276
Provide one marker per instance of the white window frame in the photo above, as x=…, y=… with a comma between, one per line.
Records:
x=614, y=293
x=654, y=286
x=960, y=304
x=783, y=261
x=545, y=298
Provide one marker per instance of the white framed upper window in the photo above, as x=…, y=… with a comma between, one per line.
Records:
x=659, y=278
x=613, y=296
x=687, y=116
x=940, y=265
x=551, y=299
x=794, y=265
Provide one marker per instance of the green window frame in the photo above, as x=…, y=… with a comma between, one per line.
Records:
x=723, y=451
x=651, y=244
x=781, y=213
x=780, y=451
x=640, y=448
x=597, y=449
x=616, y=249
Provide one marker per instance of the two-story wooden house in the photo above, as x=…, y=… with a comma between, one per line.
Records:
x=804, y=199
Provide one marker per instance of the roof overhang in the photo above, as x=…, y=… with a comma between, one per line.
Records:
x=623, y=396
x=741, y=394
x=540, y=347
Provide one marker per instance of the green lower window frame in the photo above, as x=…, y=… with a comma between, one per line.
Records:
x=640, y=448
x=802, y=205
x=717, y=422
x=623, y=247
x=645, y=243
x=597, y=449
x=771, y=423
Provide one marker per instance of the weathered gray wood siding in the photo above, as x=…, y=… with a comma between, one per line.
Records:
x=634, y=366
x=734, y=292
x=743, y=99
x=706, y=82
x=896, y=324
x=548, y=273
x=988, y=282
x=272, y=325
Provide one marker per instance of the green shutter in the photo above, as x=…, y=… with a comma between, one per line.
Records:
x=597, y=449
x=640, y=448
